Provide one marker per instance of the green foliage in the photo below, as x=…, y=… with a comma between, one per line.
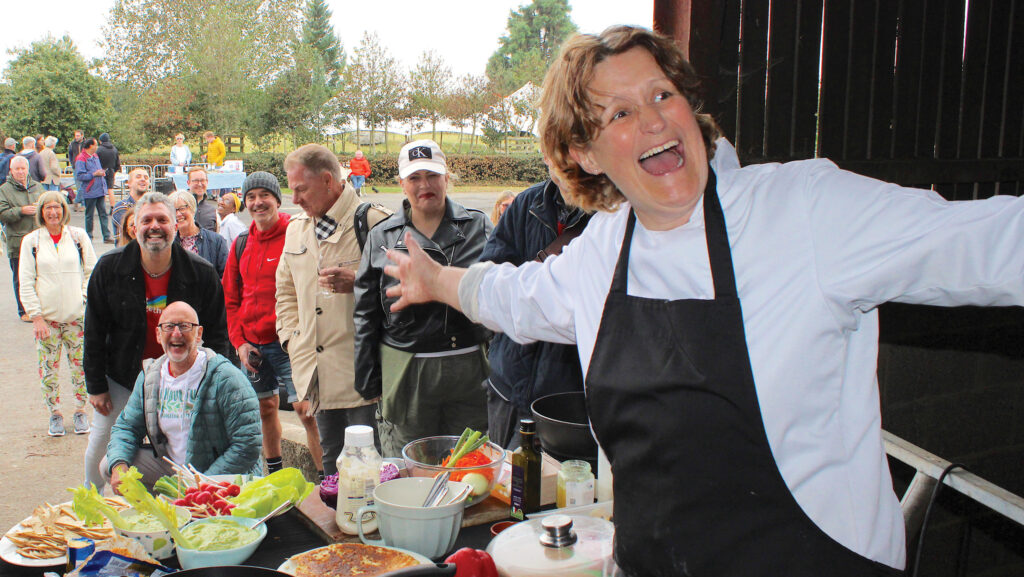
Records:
x=535, y=33
x=295, y=101
x=471, y=169
x=51, y=91
x=318, y=34
x=429, y=89
x=493, y=136
x=216, y=55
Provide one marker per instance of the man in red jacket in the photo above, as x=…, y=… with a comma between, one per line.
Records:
x=360, y=168
x=249, y=296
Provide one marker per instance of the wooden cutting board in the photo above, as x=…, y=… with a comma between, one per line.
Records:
x=320, y=518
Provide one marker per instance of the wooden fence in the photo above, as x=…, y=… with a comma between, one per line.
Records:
x=916, y=92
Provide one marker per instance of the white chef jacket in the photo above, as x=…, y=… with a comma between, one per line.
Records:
x=815, y=250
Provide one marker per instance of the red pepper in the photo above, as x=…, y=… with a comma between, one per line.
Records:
x=472, y=563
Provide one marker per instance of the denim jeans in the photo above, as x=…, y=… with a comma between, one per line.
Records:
x=51, y=187
x=100, y=206
x=358, y=181
x=17, y=285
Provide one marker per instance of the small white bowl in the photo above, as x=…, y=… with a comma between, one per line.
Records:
x=157, y=543
x=194, y=558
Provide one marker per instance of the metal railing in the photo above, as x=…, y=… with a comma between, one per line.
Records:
x=929, y=468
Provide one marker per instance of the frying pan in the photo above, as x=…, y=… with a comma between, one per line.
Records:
x=435, y=570
x=563, y=426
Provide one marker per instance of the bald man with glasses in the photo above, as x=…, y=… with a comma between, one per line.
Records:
x=193, y=405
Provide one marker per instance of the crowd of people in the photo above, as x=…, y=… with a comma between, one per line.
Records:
x=623, y=274
x=146, y=327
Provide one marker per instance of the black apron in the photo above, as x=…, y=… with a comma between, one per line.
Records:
x=672, y=400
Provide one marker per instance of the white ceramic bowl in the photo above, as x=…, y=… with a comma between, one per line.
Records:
x=194, y=558
x=157, y=543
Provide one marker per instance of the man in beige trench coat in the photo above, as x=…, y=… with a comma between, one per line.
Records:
x=314, y=296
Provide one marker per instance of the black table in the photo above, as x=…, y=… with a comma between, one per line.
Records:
x=287, y=535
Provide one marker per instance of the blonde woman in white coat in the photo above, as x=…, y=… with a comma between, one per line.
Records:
x=57, y=260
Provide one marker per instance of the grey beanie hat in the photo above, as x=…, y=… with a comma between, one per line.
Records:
x=263, y=180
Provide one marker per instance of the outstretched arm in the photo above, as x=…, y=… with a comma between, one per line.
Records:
x=421, y=279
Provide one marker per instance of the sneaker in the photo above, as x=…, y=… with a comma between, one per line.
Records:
x=56, y=426
x=81, y=423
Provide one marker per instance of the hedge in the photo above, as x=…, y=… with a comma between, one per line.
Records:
x=465, y=168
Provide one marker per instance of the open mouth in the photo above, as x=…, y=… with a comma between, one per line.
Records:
x=663, y=159
x=177, y=347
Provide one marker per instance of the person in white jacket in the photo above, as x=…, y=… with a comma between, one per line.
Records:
x=57, y=260
x=181, y=156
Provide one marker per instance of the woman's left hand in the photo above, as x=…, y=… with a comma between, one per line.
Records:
x=40, y=328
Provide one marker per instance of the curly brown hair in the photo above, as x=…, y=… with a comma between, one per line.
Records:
x=569, y=119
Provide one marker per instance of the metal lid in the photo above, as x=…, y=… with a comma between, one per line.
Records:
x=521, y=551
x=558, y=531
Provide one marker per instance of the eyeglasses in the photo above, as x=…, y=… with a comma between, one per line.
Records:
x=183, y=327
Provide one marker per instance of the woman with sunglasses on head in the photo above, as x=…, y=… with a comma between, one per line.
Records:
x=726, y=319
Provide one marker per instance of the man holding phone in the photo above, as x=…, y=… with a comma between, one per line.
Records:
x=249, y=296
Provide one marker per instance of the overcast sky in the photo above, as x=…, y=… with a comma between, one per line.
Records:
x=464, y=32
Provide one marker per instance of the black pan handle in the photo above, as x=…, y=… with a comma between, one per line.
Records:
x=435, y=570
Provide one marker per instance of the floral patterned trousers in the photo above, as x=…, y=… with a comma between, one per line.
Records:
x=70, y=336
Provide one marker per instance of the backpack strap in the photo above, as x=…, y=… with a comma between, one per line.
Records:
x=362, y=219
x=240, y=241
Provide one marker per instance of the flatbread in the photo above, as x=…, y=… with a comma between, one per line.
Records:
x=45, y=534
x=348, y=559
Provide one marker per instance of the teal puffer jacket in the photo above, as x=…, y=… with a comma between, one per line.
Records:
x=225, y=437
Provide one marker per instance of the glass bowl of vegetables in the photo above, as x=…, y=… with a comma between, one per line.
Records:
x=471, y=459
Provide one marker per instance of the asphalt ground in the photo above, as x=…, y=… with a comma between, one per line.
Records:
x=37, y=468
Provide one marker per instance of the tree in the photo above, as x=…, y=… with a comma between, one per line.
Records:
x=429, y=88
x=295, y=102
x=51, y=91
x=535, y=33
x=378, y=83
x=318, y=33
x=222, y=51
x=468, y=104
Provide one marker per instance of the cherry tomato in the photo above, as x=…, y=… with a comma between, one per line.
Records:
x=202, y=498
x=233, y=490
x=191, y=490
x=181, y=502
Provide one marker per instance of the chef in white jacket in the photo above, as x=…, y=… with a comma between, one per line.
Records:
x=726, y=319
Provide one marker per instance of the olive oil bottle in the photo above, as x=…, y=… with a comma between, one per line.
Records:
x=525, y=488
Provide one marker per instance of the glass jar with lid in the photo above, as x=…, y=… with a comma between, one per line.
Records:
x=575, y=485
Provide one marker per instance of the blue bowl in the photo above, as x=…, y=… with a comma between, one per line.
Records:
x=194, y=558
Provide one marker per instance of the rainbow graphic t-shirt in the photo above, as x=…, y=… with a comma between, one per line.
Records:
x=156, y=302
